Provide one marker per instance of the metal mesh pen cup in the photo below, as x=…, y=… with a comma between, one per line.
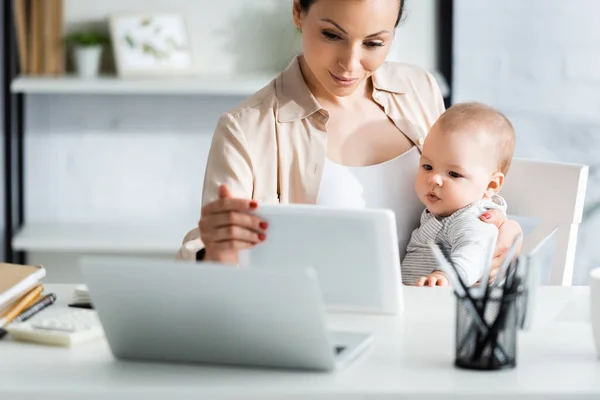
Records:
x=486, y=331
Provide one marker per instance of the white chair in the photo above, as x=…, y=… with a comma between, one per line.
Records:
x=552, y=193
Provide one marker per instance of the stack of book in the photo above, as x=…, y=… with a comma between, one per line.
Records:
x=20, y=288
x=39, y=31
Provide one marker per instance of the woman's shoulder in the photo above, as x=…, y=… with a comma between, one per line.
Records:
x=263, y=99
x=418, y=85
x=253, y=120
x=404, y=77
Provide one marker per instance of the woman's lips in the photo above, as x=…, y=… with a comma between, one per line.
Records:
x=343, y=81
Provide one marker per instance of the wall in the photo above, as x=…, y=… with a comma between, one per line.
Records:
x=416, y=37
x=538, y=62
x=2, y=179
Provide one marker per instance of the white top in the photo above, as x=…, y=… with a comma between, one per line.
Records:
x=411, y=357
x=390, y=185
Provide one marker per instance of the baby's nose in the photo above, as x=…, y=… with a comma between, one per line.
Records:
x=435, y=179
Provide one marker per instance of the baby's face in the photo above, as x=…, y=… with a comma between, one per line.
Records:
x=455, y=170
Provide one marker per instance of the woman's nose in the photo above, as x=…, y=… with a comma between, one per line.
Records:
x=350, y=60
x=435, y=179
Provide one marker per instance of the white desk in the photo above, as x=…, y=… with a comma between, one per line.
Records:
x=411, y=358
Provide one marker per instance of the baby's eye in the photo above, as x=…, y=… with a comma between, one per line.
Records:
x=454, y=174
x=427, y=167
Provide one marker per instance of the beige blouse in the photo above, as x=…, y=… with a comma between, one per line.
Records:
x=272, y=147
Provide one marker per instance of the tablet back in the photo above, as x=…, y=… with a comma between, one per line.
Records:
x=353, y=251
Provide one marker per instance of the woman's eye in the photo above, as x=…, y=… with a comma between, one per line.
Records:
x=427, y=167
x=454, y=174
x=373, y=45
x=331, y=36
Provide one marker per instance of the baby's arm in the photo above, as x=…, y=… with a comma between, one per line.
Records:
x=471, y=240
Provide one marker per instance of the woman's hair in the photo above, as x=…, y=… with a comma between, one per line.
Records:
x=305, y=5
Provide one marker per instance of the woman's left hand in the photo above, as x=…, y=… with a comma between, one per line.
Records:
x=507, y=231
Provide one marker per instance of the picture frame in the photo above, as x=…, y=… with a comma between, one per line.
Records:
x=151, y=45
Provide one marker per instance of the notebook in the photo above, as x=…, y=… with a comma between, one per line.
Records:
x=16, y=280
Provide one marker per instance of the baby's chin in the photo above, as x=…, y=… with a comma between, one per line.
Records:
x=439, y=208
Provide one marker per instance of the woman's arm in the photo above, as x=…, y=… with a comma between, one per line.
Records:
x=228, y=163
x=508, y=230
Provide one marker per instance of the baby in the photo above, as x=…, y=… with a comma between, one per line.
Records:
x=465, y=158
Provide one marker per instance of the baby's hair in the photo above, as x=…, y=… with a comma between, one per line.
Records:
x=478, y=118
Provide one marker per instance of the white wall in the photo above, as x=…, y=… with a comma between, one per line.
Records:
x=416, y=37
x=539, y=62
x=256, y=35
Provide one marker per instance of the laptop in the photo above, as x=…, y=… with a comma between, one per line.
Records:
x=353, y=251
x=213, y=314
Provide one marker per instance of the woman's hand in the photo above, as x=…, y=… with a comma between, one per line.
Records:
x=507, y=232
x=226, y=227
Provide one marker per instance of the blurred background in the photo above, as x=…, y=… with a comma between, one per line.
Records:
x=105, y=156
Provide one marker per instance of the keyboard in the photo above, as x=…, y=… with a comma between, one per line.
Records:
x=58, y=326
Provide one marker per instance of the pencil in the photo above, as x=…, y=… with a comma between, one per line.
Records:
x=21, y=305
x=32, y=301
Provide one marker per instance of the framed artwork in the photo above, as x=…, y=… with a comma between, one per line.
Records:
x=147, y=45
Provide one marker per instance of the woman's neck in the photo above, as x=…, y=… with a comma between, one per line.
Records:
x=325, y=98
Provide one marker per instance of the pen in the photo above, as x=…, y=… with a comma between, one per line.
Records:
x=44, y=302
x=487, y=286
x=508, y=259
x=467, y=300
x=20, y=306
x=484, y=282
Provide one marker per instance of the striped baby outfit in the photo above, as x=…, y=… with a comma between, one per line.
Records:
x=462, y=237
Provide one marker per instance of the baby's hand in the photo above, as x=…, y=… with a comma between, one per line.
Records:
x=436, y=278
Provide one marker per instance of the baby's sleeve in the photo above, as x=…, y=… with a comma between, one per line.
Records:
x=471, y=241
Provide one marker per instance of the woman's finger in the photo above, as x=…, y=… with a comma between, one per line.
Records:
x=495, y=217
x=229, y=204
x=224, y=192
x=506, y=236
x=494, y=270
x=232, y=245
x=248, y=221
x=236, y=233
x=495, y=266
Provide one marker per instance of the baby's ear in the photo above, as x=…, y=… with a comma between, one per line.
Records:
x=495, y=184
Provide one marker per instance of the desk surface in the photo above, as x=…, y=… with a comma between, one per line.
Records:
x=412, y=357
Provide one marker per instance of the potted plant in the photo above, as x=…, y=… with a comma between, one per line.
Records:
x=87, y=51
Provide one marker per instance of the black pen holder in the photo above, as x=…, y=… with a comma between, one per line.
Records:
x=486, y=331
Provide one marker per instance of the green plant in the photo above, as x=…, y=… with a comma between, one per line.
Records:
x=91, y=38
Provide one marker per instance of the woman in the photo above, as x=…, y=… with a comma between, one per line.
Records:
x=337, y=117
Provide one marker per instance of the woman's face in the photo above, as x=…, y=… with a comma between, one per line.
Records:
x=345, y=41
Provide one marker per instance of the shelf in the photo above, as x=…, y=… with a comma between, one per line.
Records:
x=100, y=238
x=234, y=85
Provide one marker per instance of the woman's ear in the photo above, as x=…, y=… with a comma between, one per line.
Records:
x=495, y=184
x=297, y=14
